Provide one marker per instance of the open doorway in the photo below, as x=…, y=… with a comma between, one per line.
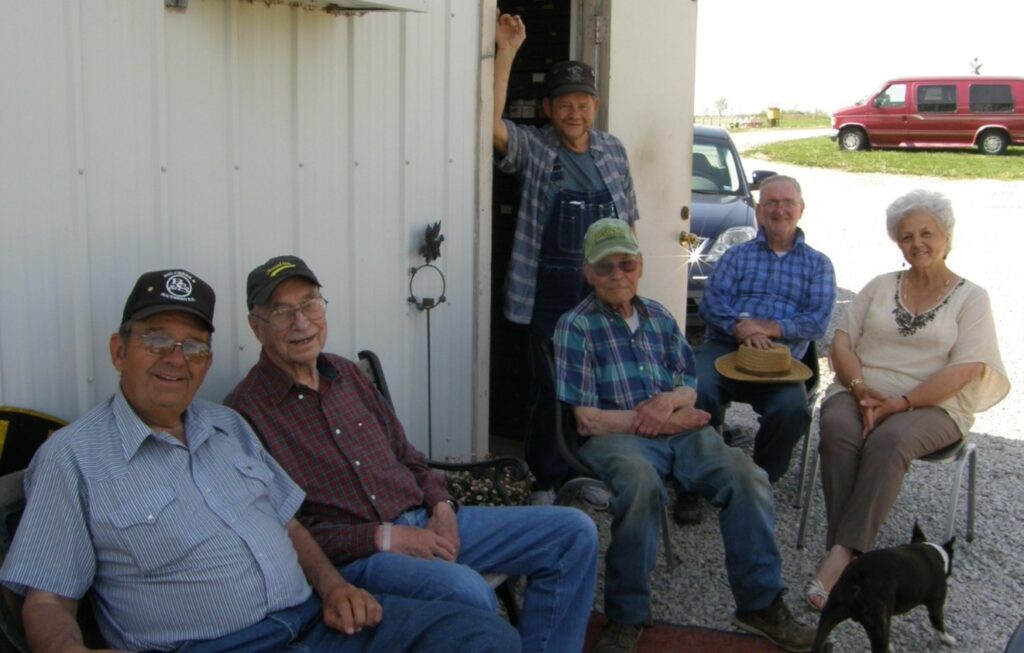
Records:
x=549, y=38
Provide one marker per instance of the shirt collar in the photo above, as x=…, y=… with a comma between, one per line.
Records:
x=278, y=383
x=798, y=239
x=638, y=305
x=134, y=431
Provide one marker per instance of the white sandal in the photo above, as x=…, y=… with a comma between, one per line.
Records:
x=815, y=591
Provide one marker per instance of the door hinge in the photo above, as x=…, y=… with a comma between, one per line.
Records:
x=600, y=27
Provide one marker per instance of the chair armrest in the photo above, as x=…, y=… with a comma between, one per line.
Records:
x=498, y=471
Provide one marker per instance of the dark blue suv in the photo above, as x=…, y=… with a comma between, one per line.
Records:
x=721, y=212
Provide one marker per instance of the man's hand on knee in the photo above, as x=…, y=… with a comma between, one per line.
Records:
x=350, y=609
x=421, y=543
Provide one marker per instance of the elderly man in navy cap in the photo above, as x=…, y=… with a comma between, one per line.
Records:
x=168, y=508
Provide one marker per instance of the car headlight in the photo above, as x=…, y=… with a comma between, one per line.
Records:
x=728, y=238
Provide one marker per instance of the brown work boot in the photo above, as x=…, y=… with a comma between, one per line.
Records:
x=776, y=624
x=619, y=638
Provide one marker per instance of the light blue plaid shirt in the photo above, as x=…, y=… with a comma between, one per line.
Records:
x=178, y=542
x=797, y=290
x=531, y=156
x=602, y=364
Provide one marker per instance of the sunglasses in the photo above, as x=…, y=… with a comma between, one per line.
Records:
x=606, y=268
x=160, y=344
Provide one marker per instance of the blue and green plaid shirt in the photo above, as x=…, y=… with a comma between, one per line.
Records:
x=531, y=156
x=797, y=290
x=602, y=364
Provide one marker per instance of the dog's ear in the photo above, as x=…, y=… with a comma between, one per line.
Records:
x=918, y=534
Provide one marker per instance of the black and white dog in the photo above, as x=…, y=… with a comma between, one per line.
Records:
x=887, y=582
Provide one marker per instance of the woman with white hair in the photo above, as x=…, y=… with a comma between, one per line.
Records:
x=914, y=357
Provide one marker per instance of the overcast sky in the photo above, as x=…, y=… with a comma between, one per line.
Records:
x=825, y=54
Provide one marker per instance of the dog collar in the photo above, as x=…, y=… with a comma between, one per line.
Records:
x=942, y=552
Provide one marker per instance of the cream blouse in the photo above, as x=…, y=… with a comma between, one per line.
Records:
x=899, y=350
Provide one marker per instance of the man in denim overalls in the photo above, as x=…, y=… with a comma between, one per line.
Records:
x=572, y=175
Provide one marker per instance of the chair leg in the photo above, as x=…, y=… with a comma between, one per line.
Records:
x=808, y=497
x=803, y=464
x=972, y=464
x=966, y=454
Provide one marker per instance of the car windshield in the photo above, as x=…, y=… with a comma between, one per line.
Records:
x=715, y=170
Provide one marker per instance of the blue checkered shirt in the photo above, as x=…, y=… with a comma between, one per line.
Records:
x=602, y=364
x=179, y=541
x=797, y=290
x=531, y=156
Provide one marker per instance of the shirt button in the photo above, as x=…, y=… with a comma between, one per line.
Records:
x=357, y=463
x=150, y=519
x=337, y=431
x=359, y=424
x=641, y=367
x=373, y=497
x=302, y=396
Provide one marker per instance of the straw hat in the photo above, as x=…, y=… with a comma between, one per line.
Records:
x=774, y=365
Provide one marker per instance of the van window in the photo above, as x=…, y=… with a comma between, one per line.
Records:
x=894, y=96
x=991, y=98
x=936, y=99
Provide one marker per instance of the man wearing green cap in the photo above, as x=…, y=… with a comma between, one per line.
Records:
x=572, y=175
x=625, y=368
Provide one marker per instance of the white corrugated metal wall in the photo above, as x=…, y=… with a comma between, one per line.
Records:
x=137, y=138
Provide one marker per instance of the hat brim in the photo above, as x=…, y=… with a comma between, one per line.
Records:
x=263, y=296
x=726, y=366
x=150, y=311
x=615, y=249
x=573, y=88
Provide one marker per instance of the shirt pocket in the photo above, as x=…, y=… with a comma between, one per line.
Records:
x=150, y=527
x=254, y=488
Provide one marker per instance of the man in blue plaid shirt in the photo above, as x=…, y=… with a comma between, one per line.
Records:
x=773, y=289
x=625, y=368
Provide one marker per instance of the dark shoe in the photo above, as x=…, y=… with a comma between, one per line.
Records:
x=776, y=624
x=687, y=509
x=618, y=638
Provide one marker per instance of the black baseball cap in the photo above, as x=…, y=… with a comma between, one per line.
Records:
x=264, y=279
x=571, y=77
x=170, y=290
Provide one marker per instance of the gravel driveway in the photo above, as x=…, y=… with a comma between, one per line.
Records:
x=845, y=218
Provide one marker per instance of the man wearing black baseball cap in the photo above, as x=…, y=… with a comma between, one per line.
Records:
x=572, y=175
x=171, y=512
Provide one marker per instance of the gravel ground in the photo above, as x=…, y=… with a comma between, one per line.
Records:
x=845, y=219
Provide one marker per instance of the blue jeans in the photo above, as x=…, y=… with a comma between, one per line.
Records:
x=407, y=625
x=782, y=407
x=634, y=469
x=554, y=548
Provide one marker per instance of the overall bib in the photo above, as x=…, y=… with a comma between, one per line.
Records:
x=560, y=287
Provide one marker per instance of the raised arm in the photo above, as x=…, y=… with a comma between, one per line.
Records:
x=509, y=34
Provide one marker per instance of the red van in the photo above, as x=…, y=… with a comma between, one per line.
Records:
x=982, y=112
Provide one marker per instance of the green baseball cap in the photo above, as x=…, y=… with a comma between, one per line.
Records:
x=609, y=236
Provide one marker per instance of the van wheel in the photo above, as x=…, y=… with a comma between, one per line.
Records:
x=992, y=142
x=852, y=139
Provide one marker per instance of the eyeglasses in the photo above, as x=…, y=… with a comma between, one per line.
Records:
x=161, y=344
x=606, y=268
x=787, y=204
x=282, y=317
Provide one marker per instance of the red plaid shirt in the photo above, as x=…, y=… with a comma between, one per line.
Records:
x=344, y=446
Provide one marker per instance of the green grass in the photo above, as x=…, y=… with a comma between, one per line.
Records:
x=822, y=152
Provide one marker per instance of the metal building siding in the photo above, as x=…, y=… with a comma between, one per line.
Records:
x=137, y=138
